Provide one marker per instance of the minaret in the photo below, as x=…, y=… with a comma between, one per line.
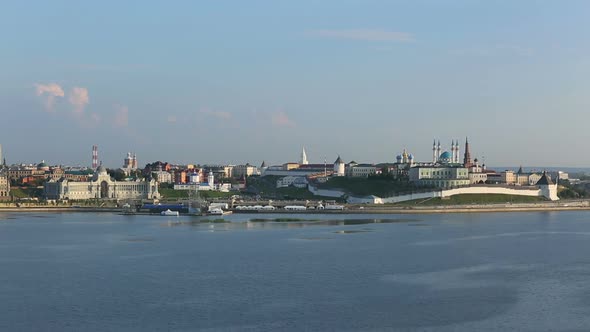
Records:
x=303, y=157
x=457, y=153
x=438, y=150
x=434, y=152
x=453, y=151
x=210, y=178
x=467, y=156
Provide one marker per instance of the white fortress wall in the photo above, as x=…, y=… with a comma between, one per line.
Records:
x=492, y=190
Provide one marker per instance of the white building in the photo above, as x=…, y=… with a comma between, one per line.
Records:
x=101, y=186
x=477, y=173
x=163, y=177
x=247, y=170
x=339, y=167
x=295, y=181
x=210, y=185
x=440, y=177
x=548, y=188
x=361, y=170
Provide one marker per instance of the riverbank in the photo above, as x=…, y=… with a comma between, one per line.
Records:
x=57, y=209
x=364, y=209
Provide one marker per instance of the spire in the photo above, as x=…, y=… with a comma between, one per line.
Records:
x=303, y=157
x=467, y=156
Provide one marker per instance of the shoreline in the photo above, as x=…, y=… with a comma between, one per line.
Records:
x=352, y=211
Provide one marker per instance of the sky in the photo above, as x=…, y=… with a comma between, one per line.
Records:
x=232, y=82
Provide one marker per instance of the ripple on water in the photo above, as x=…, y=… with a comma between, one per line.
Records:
x=139, y=239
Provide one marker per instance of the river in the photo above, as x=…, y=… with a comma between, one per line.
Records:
x=447, y=272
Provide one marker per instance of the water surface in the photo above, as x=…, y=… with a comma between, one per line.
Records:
x=456, y=272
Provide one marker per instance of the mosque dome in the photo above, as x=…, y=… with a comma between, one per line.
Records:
x=445, y=156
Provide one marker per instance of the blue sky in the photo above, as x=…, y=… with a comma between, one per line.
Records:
x=246, y=81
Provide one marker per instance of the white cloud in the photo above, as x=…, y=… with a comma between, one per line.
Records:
x=281, y=119
x=366, y=35
x=49, y=92
x=79, y=99
x=121, y=116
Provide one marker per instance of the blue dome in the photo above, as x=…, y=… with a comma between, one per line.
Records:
x=445, y=155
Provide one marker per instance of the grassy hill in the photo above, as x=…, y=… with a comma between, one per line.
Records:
x=266, y=187
x=378, y=186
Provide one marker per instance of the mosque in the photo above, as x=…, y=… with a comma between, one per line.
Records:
x=444, y=170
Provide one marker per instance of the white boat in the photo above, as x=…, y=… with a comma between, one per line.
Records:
x=295, y=208
x=218, y=212
x=334, y=207
x=170, y=213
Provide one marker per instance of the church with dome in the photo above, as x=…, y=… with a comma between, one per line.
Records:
x=101, y=186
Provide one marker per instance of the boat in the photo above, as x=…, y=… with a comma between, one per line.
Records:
x=218, y=212
x=170, y=213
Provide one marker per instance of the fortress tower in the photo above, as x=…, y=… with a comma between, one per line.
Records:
x=467, y=157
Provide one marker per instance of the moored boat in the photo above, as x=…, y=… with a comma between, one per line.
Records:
x=170, y=213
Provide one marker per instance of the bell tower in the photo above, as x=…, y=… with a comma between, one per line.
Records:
x=467, y=156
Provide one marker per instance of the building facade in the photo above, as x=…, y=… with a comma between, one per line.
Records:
x=4, y=186
x=439, y=177
x=101, y=186
x=361, y=170
x=247, y=170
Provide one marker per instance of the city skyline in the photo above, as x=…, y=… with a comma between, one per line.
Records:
x=230, y=82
